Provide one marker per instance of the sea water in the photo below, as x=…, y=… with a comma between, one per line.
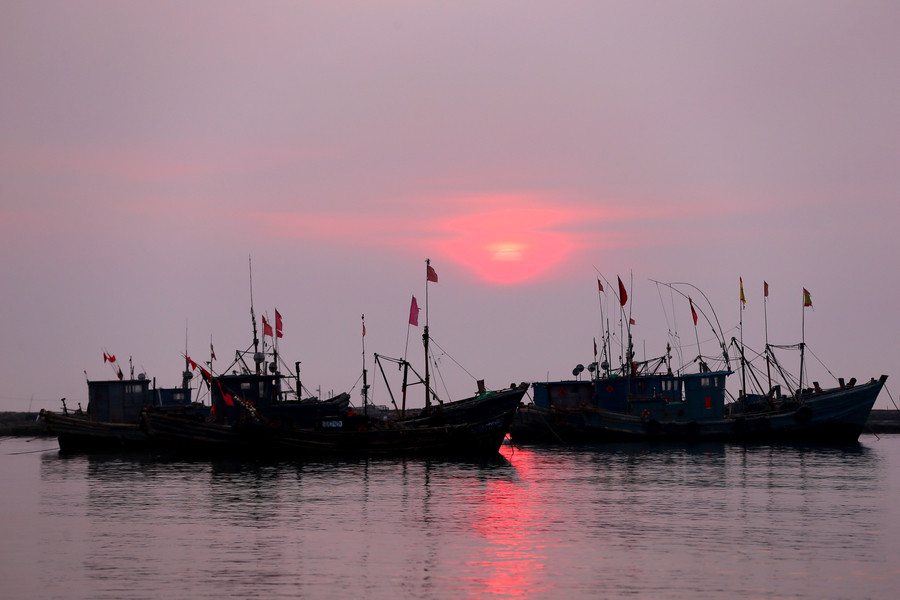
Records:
x=632, y=520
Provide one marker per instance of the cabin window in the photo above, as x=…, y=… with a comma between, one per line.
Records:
x=132, y=388
x=178, y=396
x=245, y=386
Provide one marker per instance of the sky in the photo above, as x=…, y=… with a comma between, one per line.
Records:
x=153, y=153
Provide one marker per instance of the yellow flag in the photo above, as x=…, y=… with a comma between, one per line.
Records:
x=807, y=301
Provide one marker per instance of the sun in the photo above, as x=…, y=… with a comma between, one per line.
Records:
x=509, y=240
x=506, y=251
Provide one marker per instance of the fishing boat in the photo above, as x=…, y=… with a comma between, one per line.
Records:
x=112, y=420
x=256, y=387
x=475, y=426
x=647, y=400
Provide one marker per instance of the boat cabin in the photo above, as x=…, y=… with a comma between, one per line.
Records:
x=118, y=401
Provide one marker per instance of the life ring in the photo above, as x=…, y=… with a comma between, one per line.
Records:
x=362, y=428
x=645, y=414
x=609, y=389
x=561, y=392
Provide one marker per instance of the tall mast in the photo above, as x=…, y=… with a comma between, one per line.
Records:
x=766, y=322
x=365, y=386
x=253, y=319
x=425, y=338
x=741, y=323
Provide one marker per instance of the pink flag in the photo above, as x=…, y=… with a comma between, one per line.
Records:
x=278, y=324
x=414, y=313
x=431, y=275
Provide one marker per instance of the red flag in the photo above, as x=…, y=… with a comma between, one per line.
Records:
x=595, y=348
x=631, y=322
x=431, y=275
x=205, y=373
x=693, y=312
x=109, y=357
x=414, y=312
x=600, y=285
x=623, y=297
x=212, y=351
x=364, y=325
x=120, y=374
x=267, y=329
x=192, y=363
x=743, y=300
x=807, y=301
x=278, y=324
x=765, y=289
x=225, y=395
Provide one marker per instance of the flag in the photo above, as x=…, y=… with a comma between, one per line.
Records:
x=120, y=374
x=212, y=351
x=600, y=285
x=364, y=325
x=109, y=357
x=414, y=313
x=431, y=275
x=205, y=373
x=225, y=395
x=631, y=322
x=765, y=289
x=743, y=300
x=693, y=312
x=278, y=324
x=623, y=297
x=267, y=329
x=807, y=301
x=595, y=348
x=192, y=363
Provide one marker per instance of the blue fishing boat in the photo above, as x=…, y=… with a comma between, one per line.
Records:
x=647, y=400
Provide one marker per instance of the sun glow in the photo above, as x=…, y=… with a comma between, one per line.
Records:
x=507, y=240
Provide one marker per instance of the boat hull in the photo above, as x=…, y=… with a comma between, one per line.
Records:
x=467, y=428
x=78, y=434
x=833, y=416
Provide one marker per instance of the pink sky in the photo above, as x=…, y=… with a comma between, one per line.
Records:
x=148, y=149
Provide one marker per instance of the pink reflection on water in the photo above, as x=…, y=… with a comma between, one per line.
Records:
x=512, y=563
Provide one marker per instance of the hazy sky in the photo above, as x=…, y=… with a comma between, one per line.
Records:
x=148, y=149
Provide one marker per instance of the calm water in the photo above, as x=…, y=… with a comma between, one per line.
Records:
x=711, y=521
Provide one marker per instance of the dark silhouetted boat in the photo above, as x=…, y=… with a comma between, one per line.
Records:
x=249, y=418
x=112, y=420
x=648, y=401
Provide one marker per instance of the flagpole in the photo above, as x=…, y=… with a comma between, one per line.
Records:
x=425, y=340
x=802, y=344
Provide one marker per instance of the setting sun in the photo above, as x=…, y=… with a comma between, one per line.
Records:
x=510, y=239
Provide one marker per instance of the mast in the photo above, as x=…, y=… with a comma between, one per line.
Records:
x=365, y=386
x=425, y=335
x=741, y=324
x=256, y=357
x=766, y=325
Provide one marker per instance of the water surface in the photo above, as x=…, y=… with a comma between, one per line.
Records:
x=704, y=521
